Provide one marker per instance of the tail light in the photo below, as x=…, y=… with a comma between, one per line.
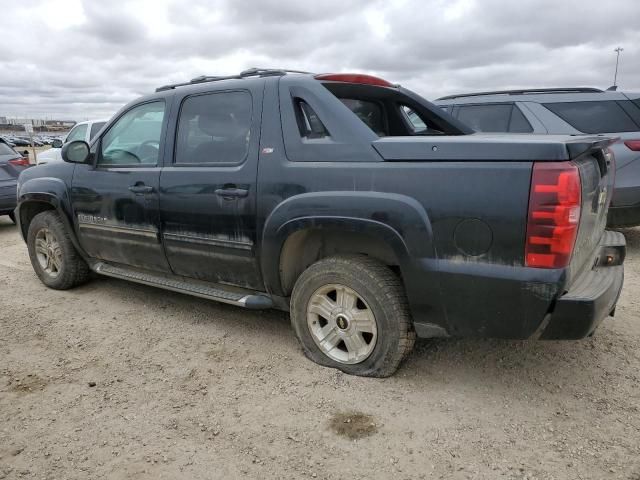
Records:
x=20, y=162
x=554, y=214
x=633, y=145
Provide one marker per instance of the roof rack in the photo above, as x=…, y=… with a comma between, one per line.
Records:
x=251, y=72
x=526, y=91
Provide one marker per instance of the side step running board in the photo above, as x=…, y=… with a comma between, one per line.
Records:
x=218, y=293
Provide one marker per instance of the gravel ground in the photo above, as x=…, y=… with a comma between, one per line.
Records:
x=117, y=380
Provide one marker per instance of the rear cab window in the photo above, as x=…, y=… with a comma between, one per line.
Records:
x=609, y=116
x=389, y=112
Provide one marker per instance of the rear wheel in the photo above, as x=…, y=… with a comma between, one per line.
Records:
x=52, y=254
x=351, y=313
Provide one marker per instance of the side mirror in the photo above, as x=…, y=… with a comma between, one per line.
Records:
x=75, y=152
x=57, y=143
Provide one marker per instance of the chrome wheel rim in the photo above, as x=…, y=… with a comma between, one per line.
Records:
x=341, y=324
x=48, y=252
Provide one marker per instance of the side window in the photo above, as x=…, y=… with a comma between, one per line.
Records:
x=95, y=128
x=77, y=133
x=518, y=122
x=309, y=123
x=214, y=128
x=595, y=116
x=486, y=118
x=135, y=137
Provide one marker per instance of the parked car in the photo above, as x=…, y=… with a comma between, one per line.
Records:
x=81, y=131
x=367, y=212
x=20, y=142
x=570, y=111
x=11, y=164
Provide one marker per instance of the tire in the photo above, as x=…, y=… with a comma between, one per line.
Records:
x=48, y=233
x=371, y=349
x=12, y=217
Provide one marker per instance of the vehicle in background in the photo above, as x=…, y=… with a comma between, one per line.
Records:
x=569, y=111
x=11, y=164
x=20, y=141
x=363, y=209
x=81, y=131
x=8, y=141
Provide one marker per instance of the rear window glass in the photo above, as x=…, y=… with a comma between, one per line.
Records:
x=6, y=149
x=370, y=113
x=595, y=117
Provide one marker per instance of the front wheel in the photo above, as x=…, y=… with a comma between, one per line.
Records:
x=350, y=312
x=52, y=254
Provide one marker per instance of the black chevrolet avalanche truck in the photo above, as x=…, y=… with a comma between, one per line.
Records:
x=368, y=213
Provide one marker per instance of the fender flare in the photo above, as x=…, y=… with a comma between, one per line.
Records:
x=400, y=221
x=56, y=197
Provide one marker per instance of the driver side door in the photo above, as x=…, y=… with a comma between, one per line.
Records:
x=115, y=199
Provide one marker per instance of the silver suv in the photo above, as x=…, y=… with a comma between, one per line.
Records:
x=572, y=111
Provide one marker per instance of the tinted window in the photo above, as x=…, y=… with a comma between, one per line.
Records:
x=519, y=123
x=594, y=117
x=369, y=112
x=309, y=122
x=95, y=128
x=6, y=149
x=214, y=128
x=486, y=118
x=77, y=133
x=135, y=137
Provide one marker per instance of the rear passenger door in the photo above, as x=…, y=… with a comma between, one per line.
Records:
x=208, y=186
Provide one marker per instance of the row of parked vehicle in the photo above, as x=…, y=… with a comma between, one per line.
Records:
x=24, y=141
x=370, y=214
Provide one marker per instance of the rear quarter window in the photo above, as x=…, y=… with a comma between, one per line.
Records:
x=596, y=117
x=6, y=149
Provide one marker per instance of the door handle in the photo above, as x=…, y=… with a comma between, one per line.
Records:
x=141, y=188
x=231, y=193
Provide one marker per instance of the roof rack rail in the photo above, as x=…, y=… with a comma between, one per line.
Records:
x=251, y=72
x=525, y=92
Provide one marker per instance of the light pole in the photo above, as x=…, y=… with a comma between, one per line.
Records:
x=615, y=76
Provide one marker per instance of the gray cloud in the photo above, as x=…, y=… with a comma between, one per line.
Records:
x=85, y=59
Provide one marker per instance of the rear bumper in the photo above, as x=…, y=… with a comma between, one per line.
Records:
x=591, y=298
x=7, y=203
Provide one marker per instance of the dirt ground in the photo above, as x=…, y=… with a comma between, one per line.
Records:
x=117, y=380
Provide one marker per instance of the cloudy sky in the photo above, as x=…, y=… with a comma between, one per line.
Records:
x=81, y=59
